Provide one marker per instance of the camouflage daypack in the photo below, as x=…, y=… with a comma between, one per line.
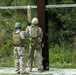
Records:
x=34, y=32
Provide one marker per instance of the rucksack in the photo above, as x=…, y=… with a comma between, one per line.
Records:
x=34, y=32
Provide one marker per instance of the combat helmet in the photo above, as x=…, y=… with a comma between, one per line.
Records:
x=35, y=21
x=18, y=25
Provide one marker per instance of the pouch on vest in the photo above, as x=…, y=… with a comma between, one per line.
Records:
x=35, y=43
x=16, y=38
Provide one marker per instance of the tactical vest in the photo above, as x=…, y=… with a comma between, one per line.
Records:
x=16, y=39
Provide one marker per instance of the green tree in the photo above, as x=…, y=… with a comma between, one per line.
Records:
x=62, y=23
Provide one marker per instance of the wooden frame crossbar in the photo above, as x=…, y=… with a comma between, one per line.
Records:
x=34, y=6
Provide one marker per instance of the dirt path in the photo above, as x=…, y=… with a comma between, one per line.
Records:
x=53, y=71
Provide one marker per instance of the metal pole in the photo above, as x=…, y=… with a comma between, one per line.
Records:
x=35, y=6
x=43, y=23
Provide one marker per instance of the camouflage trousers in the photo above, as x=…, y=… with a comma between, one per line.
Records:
x=38, y=56
x=19, y=58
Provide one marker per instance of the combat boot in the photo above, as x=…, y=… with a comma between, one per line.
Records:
x=29, y=69
x=41, y=70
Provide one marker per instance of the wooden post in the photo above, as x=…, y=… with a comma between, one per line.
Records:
x=43, y=23
x=29, y=13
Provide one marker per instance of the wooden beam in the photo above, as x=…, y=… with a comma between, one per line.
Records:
x=60, y=6
x=34, y=6
x=17, y=7
x=43, y=23
x=29, y=13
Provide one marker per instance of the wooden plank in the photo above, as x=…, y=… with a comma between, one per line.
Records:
x=43, y=23
x=29, y=13
x=34, y=6
x=60, y=6
x=16, y=7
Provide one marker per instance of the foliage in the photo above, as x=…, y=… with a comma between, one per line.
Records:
x=60, y=56
x=7, y=20
x=62, y=31
x=62, y=23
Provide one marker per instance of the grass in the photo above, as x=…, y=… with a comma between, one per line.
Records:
x=61, y=57
x=63, y=65
x=54, y=62
x=58, y=58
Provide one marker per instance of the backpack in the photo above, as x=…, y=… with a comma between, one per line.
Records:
x=16, y=38
x=34, y=32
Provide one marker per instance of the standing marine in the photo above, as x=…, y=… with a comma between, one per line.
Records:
x=35, y=35
x=19, y=49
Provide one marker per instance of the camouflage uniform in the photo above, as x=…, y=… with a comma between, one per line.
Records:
x=35, y=44
x=19, y=52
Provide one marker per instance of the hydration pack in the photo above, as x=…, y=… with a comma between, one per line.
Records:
x=34, y=32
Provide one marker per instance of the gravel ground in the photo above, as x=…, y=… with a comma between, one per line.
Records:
x=53, y=71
